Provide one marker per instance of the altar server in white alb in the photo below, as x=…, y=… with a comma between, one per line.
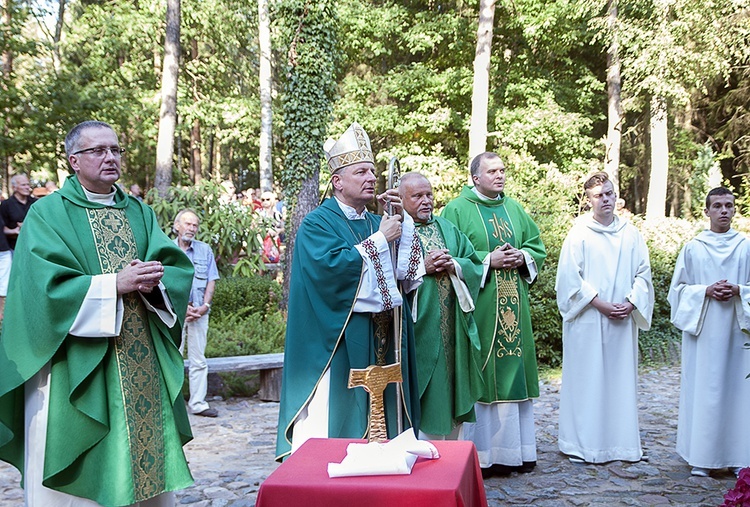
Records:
x=710, y=298
x=605, y=296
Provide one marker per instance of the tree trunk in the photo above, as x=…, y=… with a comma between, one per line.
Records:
x=195, y=131
x=480, y=93
x=7, y=74
x=311, y=57
x=614, y=109
x=657, y=188
x=58, y=34
x=195, y=150
x=266, y=121
x=168, y=113
x=211, y=139
x=307, y=200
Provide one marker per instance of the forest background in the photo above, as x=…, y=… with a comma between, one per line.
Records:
x=405, y=70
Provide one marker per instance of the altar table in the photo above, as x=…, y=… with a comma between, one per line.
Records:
x=453, y=480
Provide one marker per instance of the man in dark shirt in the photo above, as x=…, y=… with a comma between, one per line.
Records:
x=13, y=210
x=6, y=257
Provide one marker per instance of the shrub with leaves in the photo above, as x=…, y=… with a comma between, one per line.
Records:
x=245, y=320
x=552, y=198
x=243, y=296
x=232, y=230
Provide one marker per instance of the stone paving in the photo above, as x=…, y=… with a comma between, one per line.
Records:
x=232, y=455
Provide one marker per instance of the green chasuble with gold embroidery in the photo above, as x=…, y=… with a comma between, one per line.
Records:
x=448, y=351
x=502, y=310
x=117, y=420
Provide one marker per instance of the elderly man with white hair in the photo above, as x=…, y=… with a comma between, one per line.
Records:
x=195, y=331
x=14, y=209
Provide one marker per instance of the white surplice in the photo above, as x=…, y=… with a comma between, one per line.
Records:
x=714, y=393
x=598, y=405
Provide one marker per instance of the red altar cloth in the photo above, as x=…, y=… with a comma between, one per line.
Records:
x=453, y=480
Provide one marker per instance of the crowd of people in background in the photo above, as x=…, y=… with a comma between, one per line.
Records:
x=270, y=210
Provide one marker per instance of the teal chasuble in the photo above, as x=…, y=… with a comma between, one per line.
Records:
x=502, y=311
x=448, y=350
x=323, y=332
x=117, y=418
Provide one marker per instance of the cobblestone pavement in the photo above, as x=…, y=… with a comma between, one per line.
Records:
x=232, y=455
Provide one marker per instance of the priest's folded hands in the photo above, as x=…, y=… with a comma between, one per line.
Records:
x=139, y=276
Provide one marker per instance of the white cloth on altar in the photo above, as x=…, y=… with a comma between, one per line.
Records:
x=396, y=457
x=312, y=421
x=504, y=433
x=714, y=393
x=598, y=417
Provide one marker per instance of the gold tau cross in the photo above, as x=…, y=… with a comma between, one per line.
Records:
x=375, y=379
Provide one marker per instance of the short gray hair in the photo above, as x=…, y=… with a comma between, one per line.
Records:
x=15, y=178
x=71, y=140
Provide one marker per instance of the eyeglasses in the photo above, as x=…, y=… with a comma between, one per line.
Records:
x=101, y=151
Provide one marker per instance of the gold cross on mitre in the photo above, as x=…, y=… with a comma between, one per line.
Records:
x=375, y=379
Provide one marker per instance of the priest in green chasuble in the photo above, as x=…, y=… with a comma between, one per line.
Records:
x=343, y=290
x=448, y=350
x=508, y=241
x=91, y=406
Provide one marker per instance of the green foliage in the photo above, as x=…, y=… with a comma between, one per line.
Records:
x=232, y=230
x=552, y=203
x=239, y=296
x=665, y=238
x=245, y=320
x=307, y=38
x=235, y=335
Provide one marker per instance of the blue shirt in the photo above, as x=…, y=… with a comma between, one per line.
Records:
x=202, y=257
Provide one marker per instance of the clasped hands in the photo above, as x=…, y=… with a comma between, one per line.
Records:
x=437, y=261
x=195, y=312
x=139, y=276
x=722, y=290
x=506, y=257
x=613, y=311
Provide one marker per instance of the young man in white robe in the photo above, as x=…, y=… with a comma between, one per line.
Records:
x=605, y=296
x=710, y=299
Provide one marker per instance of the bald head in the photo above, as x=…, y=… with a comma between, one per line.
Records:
x=416, y=195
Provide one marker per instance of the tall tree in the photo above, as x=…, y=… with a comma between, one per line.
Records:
x=614, y=99
x=196, y=162
x=266, y=84
x=168, y=112
x=673, y=47
x=481, y=89
x=308, y=29
x=7, y=86
x=657, y=187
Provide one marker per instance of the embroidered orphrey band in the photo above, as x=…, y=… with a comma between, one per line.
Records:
x=372, y=253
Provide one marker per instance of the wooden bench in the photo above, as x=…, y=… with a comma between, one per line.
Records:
x=270, y=367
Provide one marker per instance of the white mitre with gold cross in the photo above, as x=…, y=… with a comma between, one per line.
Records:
x=352, y=147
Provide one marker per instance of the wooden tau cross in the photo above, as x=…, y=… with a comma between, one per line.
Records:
x=375, y=379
